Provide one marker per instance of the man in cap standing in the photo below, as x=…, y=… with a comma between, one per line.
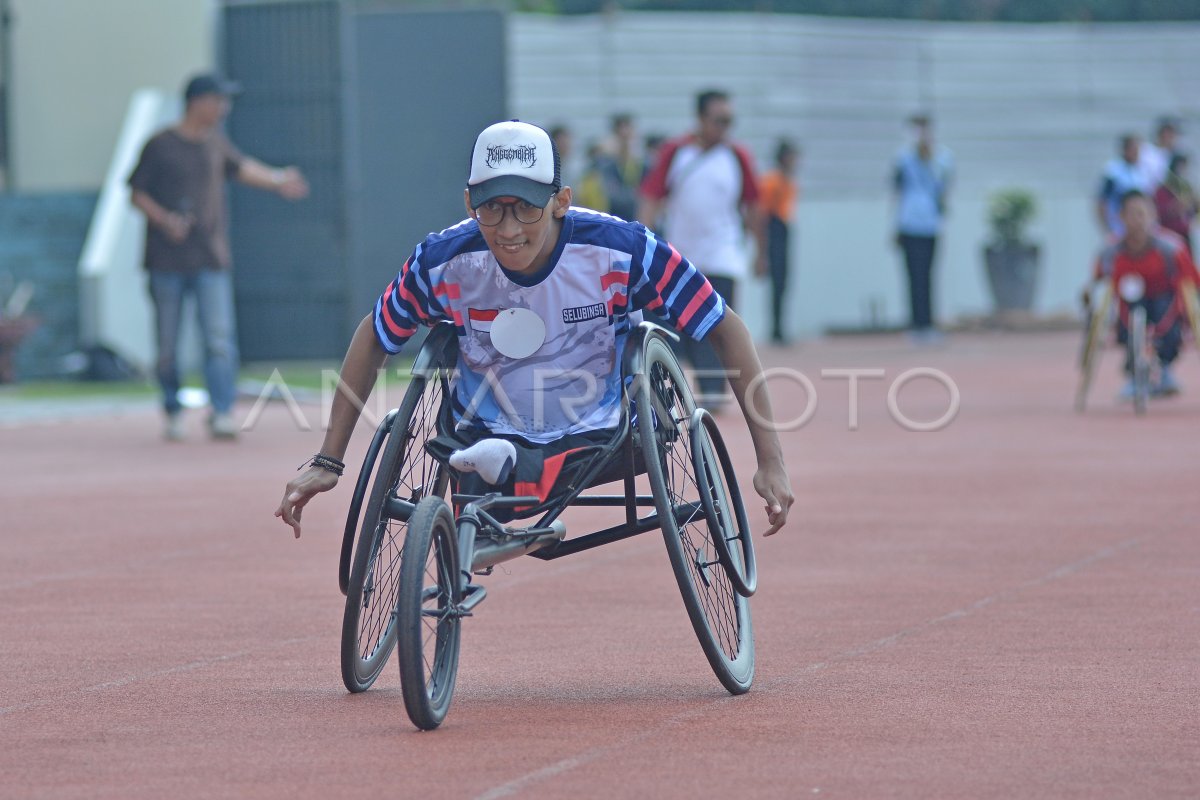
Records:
x=179, y=184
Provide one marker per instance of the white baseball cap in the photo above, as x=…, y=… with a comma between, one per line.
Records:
x=514, y=159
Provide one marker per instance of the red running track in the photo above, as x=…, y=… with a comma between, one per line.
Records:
x=1009, y=606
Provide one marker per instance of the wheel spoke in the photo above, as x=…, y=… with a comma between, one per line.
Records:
x=381, y=584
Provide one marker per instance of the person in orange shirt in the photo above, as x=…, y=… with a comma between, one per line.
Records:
x=780, y=191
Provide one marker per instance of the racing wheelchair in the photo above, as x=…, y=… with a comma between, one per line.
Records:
x=410, y=560
x=1099, y=319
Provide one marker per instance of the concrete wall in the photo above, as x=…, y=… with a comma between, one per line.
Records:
x=75, y=64
x=1034, y=106
x=1037, y=106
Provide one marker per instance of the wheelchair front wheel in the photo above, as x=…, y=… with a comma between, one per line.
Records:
x=429, y=625
x=720, y=616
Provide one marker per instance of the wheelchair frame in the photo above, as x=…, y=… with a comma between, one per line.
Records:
x=1138, y=344
x=480, y=540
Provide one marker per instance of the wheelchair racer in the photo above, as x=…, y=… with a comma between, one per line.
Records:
x=1161, y=261
x=542, y=296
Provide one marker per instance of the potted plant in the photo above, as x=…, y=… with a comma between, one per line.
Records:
x=1012, y=260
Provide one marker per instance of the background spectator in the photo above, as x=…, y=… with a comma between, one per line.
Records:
x=1122, y=175
x=1176, y=201
x=780, y=191
x=621, y=168
x=179, y=184
x=704, y=188
x=1155, y=157
x=921, y=180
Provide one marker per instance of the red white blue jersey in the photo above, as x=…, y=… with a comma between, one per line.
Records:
x=604, y=271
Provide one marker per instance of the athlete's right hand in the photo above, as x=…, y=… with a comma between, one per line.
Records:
x=300, y=490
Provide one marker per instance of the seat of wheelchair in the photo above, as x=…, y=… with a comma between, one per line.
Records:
x=549, y=472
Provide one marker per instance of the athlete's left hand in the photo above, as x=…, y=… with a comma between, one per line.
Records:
x=772, y=484
x=299, y=491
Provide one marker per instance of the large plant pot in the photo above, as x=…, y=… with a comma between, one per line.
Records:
x=1012, y=274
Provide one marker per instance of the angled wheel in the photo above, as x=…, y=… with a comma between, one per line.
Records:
x=404, y=473
x=1191, y=309
x=721, y=499
x=720, y=615
x=1093, y=330
x=428, y=617
x=361, y=487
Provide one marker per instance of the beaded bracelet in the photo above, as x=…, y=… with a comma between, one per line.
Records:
x=325, y=462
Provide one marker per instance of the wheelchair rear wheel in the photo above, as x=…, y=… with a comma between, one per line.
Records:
x=720, y=615
x=405, y=472
x=429, y=627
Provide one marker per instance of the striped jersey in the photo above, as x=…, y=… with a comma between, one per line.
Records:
x=604, y=271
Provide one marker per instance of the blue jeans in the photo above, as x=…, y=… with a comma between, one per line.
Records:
x=777, y=261
x=918, y=261
x=213, y=293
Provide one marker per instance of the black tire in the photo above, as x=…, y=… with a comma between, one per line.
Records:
x=407, y=472
x=429, y=627
x=721, y=498
x=720, y=616
x=1139, y=359
x=1097, y=320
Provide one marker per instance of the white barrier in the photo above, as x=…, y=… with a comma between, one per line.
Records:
x=114, y=309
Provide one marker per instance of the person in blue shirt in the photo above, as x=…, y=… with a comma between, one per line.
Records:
x=1124, y=174
x=921, y=181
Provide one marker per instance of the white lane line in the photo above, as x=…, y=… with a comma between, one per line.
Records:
x=530, y=577
x=567, y=764
x=65, y=697
x=136, y=564
x=1059, y=573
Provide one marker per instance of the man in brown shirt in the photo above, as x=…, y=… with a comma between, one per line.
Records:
x=179, y=184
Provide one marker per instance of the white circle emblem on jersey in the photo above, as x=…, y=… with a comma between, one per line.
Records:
x=518, y=332
x=1131, y=287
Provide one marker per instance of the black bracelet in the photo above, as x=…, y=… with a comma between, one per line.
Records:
x=325, y=462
